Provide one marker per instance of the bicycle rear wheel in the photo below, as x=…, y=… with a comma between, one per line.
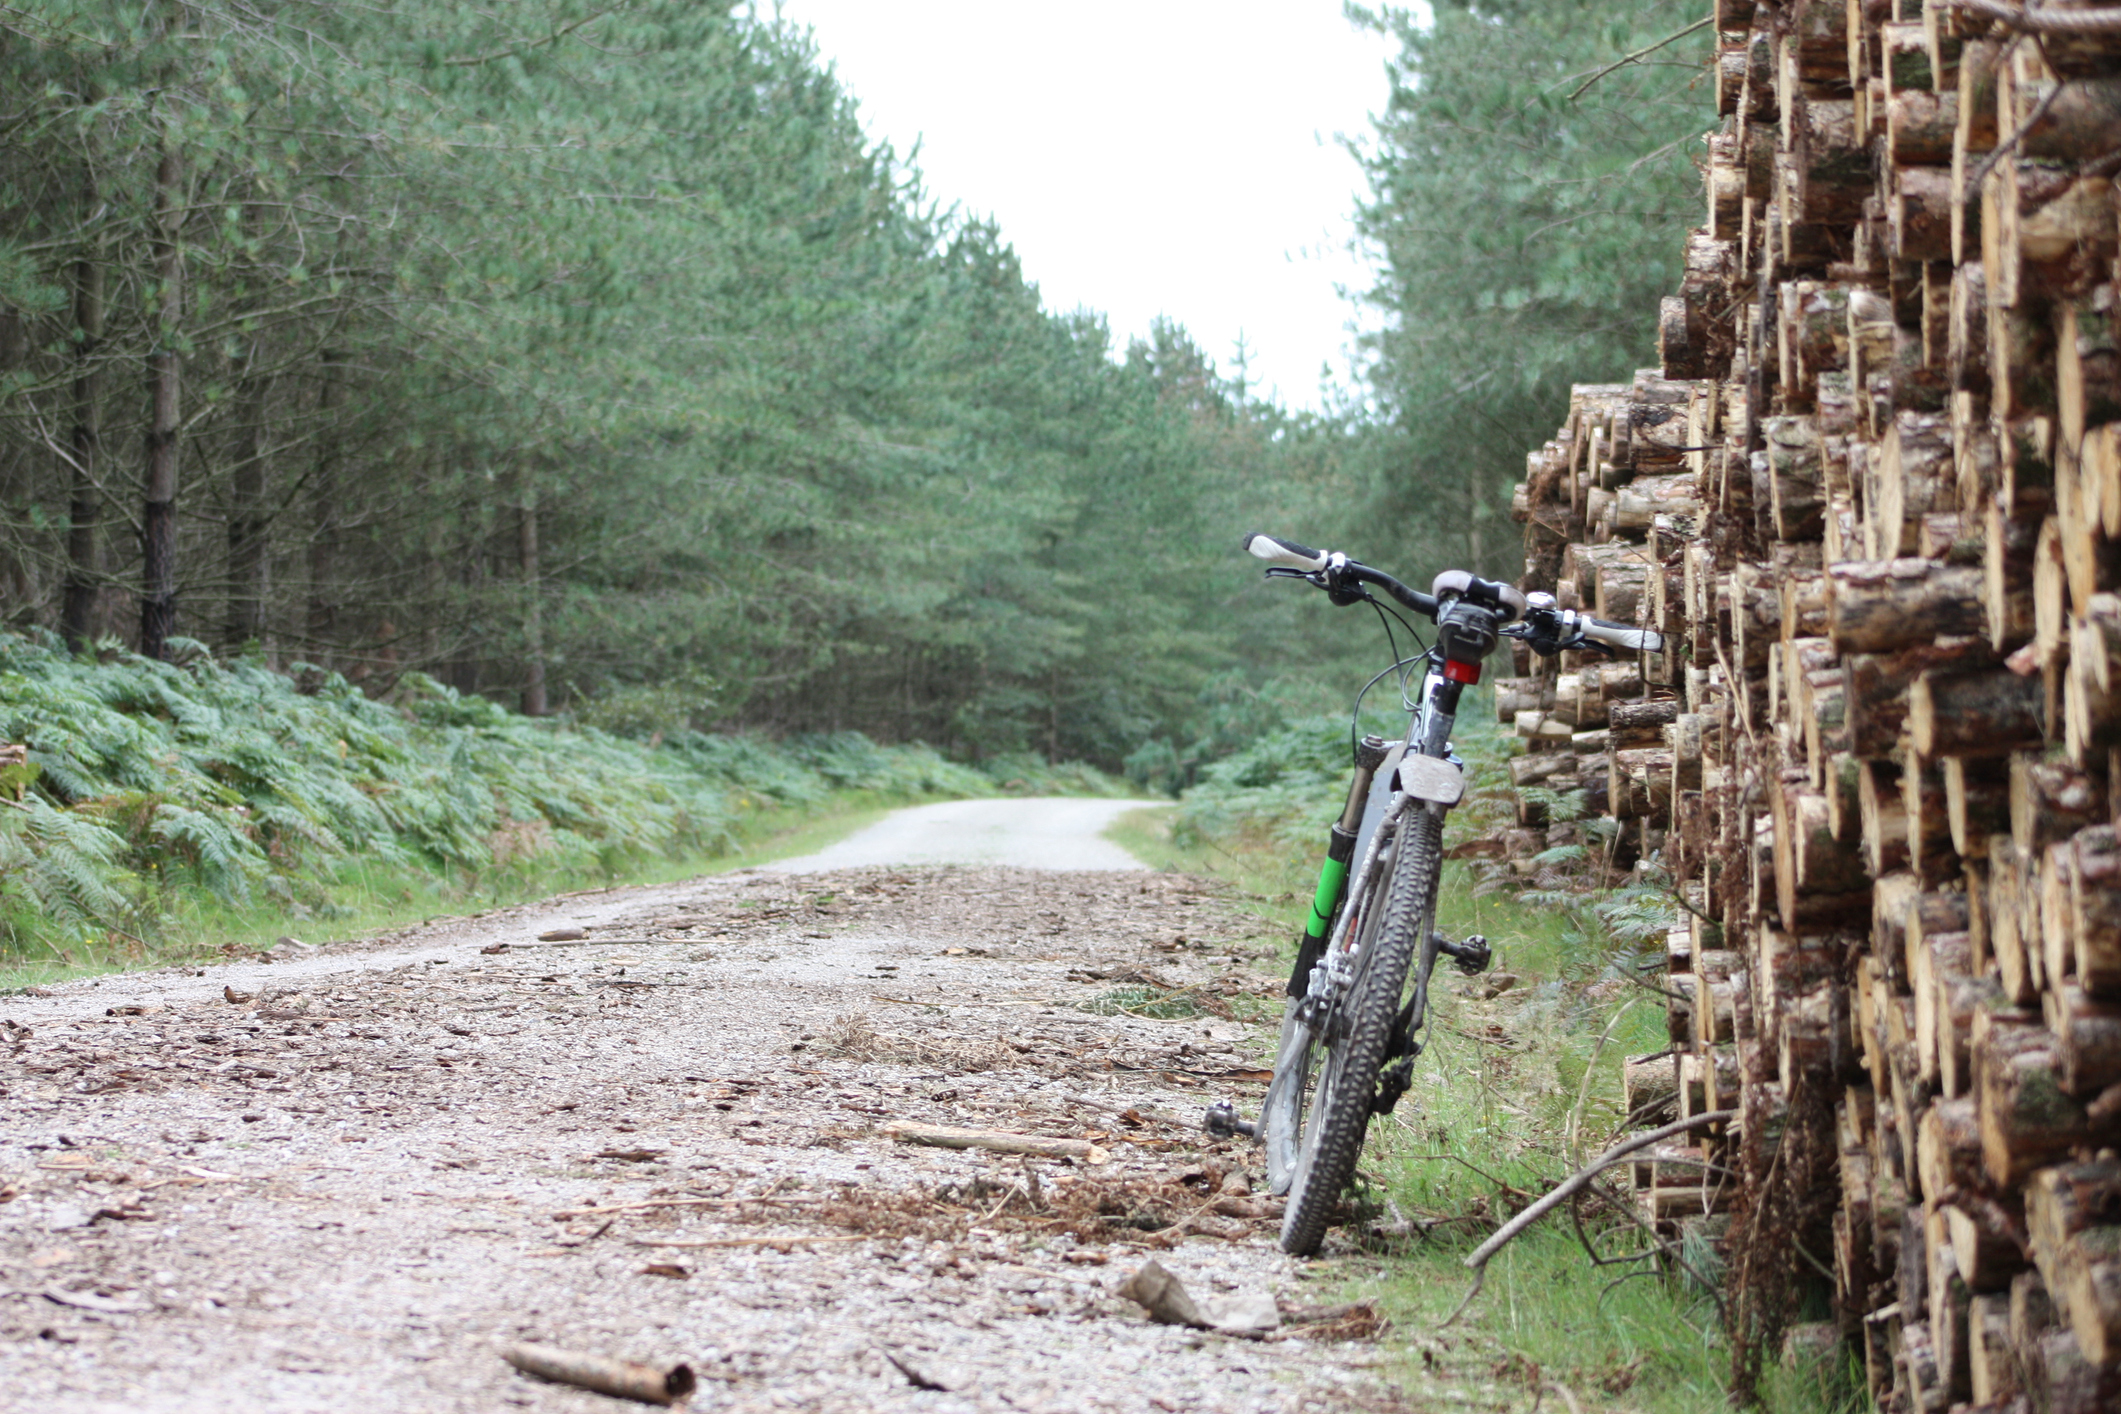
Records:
x=1356, y=1038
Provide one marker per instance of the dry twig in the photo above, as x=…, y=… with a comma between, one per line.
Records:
x=1561, y=1191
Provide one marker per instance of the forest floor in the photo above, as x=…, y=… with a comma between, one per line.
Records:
x=350, y=1178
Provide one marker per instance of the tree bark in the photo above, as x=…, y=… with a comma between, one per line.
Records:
x=323, y=617
x=2095, y=911
x=534, y=703
x=1882, y=605
x=2027, y=1120
x=158, y=594
x=249, y=564
x=1974, y=714
x=1977, y=802
x=84, y=550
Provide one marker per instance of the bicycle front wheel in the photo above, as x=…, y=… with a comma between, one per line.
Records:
x=1356, y=1037
x=1301, y=1050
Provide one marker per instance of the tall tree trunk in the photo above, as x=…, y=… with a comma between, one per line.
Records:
x=1475, y=509
x=158, y=596
x=534, y=704
x=249, y=564
x=324, y=490
x=434, y=548
x=18, y=586
x=84, y=550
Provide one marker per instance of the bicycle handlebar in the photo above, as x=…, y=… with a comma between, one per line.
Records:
x=1286, y=554
x=1626, y=637
x=1548, y=628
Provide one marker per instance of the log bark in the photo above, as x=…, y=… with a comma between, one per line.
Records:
x=2095, y=911
x=2079, y=122
x=1992, y=1364
x=2063, y=1201
x=2090, y=1290
x=1796, y=477
x=2050, y=801
x=1884, y=819
x=1919, y=213
x=2027, y=1119
x=1641, y=723
x=1918, y=130
x=1908, y=479
x=1976, y=801
x=2007, y=550
x=2093, y=718
x=2087, y=1034
x=2059, y=1380
x=1986, y=713
x=1985, y=1242
x=2014, y=939
x=1817, y=878
x=1884, y=605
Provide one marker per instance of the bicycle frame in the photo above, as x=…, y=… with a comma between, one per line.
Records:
x=1332, y=967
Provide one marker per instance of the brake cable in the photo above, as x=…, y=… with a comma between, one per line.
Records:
x=1398, y=665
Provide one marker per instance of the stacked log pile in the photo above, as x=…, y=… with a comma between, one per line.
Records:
x=1872, y=497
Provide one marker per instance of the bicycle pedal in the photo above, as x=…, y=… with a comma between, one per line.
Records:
x=1471, y=954
x=1221, y=1121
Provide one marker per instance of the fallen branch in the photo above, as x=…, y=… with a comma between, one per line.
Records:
x=1574, y=1182
x=996, y=1140
x=622, y=1378
x=599, y=943
x=740, y=1241
x=673, y=1203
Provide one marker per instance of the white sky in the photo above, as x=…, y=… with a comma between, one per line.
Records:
x=1144, y=157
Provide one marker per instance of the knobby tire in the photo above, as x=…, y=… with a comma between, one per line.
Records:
x=1347, y=1081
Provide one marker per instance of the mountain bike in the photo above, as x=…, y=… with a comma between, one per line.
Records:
x=1353, y=1023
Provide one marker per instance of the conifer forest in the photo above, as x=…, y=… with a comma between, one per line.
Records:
x=589, y=357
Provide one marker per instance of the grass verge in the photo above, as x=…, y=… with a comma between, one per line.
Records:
x=1521, y=1082
x=363, y=897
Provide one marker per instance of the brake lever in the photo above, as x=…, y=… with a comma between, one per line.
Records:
x=1342, y=592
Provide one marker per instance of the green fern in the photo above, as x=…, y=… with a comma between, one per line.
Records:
x=66, y=870
x=148, y=781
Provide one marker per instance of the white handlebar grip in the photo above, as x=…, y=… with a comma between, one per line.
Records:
x=1285, y=553
x=1622, y=636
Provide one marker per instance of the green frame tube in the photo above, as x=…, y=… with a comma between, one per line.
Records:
x=1332, y=878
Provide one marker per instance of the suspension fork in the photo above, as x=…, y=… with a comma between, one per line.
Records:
x=1370, y=753
x=1439, y=716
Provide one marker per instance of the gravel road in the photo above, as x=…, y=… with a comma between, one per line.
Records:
x=386, y=1159
x=1039, y=833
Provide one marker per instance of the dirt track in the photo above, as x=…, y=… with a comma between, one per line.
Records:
x=349, y=1190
